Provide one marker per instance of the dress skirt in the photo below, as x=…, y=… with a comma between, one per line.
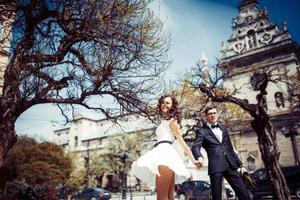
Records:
x=146, y=167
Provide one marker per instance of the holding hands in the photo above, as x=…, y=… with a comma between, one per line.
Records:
x=242, y=170
x=174, y=126
x=199, y=163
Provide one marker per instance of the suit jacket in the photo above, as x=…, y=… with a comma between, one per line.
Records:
x=218, y=152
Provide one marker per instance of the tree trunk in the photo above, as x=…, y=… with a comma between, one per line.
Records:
x=8, y=138
x=11, y=107
x=270, y=155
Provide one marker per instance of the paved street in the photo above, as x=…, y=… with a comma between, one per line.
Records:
x=135, y=196
x=149, y=196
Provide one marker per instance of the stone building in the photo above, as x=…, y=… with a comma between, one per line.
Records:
x=87, y=137
x=5, y=36
x=85, y=133
x=255, y=44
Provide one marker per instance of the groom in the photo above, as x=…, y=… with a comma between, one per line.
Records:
x=222, y=160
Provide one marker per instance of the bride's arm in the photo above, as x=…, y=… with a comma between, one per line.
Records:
x=174, y=126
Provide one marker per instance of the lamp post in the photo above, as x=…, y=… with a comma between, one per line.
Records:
x=291, y=132
x=124, y=158
x=87, y=165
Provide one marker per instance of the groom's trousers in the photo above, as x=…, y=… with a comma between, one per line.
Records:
x=235, y=180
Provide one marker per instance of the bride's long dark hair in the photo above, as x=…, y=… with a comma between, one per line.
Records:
x=175, y=111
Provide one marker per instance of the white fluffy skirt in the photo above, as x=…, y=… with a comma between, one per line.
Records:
x=146, y=167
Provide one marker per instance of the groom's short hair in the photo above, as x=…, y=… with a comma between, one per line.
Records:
x=209, y=108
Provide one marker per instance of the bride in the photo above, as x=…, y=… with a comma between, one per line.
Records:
x=162, y=166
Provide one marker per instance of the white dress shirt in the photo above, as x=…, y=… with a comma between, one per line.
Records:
x=217, y=131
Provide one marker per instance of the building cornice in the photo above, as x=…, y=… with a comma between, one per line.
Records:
x=277, y=119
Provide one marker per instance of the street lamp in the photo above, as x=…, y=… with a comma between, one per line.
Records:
x=292, y=131
x=124, y=157
x=87, y=166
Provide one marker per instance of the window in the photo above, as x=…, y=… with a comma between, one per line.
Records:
x=251, y=163
x=279, y=100
x=76, y=141
x=1, y=29
x=252, y=39
x=206, y=185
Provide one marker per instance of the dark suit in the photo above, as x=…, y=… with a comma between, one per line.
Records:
x=222, y=161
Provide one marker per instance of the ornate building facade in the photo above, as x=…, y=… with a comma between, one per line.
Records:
x=258, y=44
x=5, y=37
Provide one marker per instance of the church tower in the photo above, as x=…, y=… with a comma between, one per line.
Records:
x=6, y=19
x=258, y=43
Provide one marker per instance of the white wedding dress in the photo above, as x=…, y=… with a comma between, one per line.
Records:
x=146, y=167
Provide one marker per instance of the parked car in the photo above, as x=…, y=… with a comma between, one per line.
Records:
x=262, y=187
x=92, y=194
x=197, y=190
x=62, y=193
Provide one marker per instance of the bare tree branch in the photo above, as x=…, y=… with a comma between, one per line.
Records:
x=261, y=123
x=75, y=51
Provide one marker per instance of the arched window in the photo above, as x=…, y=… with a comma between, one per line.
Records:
x=252, y=39
x=251, y=163
x=279, y=100
x=76, y=141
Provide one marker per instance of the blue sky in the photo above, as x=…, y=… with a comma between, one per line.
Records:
x=199, y=26
x=196, y=27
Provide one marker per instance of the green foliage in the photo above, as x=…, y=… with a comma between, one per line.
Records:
x=110, y=160
x=99, y=165
x=76, y=179
x=38, y=162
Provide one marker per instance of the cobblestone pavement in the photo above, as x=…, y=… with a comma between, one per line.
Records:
x=135, y=196
x=152, y=196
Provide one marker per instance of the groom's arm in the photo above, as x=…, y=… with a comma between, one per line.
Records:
x=197, y=145
x=236, y=158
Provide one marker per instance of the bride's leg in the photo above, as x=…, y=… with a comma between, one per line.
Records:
x=163, y=182
x=171, y=187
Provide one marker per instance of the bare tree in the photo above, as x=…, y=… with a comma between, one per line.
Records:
x=193, y=102
x=69, y=51
x=209, y=82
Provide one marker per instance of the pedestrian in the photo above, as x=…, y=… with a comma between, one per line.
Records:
x=162, y=166
x=222, y=159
